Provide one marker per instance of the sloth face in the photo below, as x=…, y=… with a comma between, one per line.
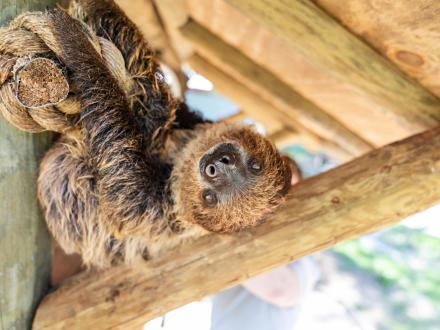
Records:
x=227, y=170
x=232, y=178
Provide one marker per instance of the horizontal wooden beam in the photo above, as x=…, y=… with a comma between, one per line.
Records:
x=261, y=110
x=312, y=32
x=366, y=194
x=294, y=107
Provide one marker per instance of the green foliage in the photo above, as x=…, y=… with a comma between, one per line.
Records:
x=404, y=262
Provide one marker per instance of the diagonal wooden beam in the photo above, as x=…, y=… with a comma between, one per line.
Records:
x=294, y=107
x=258, y=108
x=349, y=105
x=366, y=194
x=406, y=32
x=320, y=38
x=144, y=14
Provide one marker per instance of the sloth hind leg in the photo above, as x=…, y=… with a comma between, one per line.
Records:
x=68, y=196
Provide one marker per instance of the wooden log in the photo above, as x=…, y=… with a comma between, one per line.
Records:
x=366, y=194
x=406, y=32
x=40, y=82
x=261, y=110
x=25, y=244
x=294, y=107
x=271, y=125
x=325, y=42
x=249, y=103
x=355, y=109
x=144, y=15
x=173, y=15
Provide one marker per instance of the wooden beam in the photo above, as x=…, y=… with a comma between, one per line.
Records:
x=294, y=107
x=349, y=105
x=406, y=32
x=369, y=193
x=25, y=243
x=173, y=15
x=144, y=14
x=252, y=105
x=324, y=41
x=261, y=110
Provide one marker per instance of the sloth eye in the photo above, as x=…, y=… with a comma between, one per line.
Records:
x=209, y=197
x=256, y=166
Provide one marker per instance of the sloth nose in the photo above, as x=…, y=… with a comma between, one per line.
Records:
x=220, y=165
x=211, y=171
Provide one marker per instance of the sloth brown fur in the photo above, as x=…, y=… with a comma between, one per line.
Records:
x=141, y=172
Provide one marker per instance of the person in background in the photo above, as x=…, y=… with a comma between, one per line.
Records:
x=271, y=301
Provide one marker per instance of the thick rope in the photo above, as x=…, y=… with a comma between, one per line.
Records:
x=35, y=93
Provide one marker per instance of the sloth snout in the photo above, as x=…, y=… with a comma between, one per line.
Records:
x=222, y=165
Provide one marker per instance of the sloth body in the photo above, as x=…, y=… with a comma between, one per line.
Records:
x=140, y=172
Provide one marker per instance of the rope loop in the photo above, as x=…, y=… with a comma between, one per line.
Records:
x=35, y=92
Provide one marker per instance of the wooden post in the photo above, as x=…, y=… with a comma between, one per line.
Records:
x=25, y=244
x=366, y=194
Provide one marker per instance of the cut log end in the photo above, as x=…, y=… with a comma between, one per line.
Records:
x=40, y=82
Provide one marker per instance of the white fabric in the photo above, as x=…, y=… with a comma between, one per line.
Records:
x=238, y=309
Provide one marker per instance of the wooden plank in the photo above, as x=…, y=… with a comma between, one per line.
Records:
x=25, y=244
x=173, y=15
x=310, y=30
x=144, y=15
x=261, y=110
x=367, y=117
x=295, y=108
x=361, y=196
x=407, y=32
x=285, y=138
x=252, y=105
x=271, y=126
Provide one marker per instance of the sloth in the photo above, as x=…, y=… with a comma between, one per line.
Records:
x=141, y=173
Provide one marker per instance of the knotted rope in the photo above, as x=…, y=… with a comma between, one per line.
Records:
x=35, y=93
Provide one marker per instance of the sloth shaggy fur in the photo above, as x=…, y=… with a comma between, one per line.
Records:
x=141, y=172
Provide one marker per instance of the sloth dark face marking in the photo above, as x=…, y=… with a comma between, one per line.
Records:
x=227, y=170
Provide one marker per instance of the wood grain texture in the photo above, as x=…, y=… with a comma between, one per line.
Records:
x=261, y=110
x=336, y=94
x=294, y=107
x=25, y=244
x=366, y=194
x=407, y=32
x=144, y=15
x=173, y=15
x=318, y=36
x=249, y=103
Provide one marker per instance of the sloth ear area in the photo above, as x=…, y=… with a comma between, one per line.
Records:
x=294, y=168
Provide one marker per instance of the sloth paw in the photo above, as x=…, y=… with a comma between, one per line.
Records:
x=177, y=226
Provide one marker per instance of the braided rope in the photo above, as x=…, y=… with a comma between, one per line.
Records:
x=28, y=45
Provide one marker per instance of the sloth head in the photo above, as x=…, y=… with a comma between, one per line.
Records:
x=230, y=178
